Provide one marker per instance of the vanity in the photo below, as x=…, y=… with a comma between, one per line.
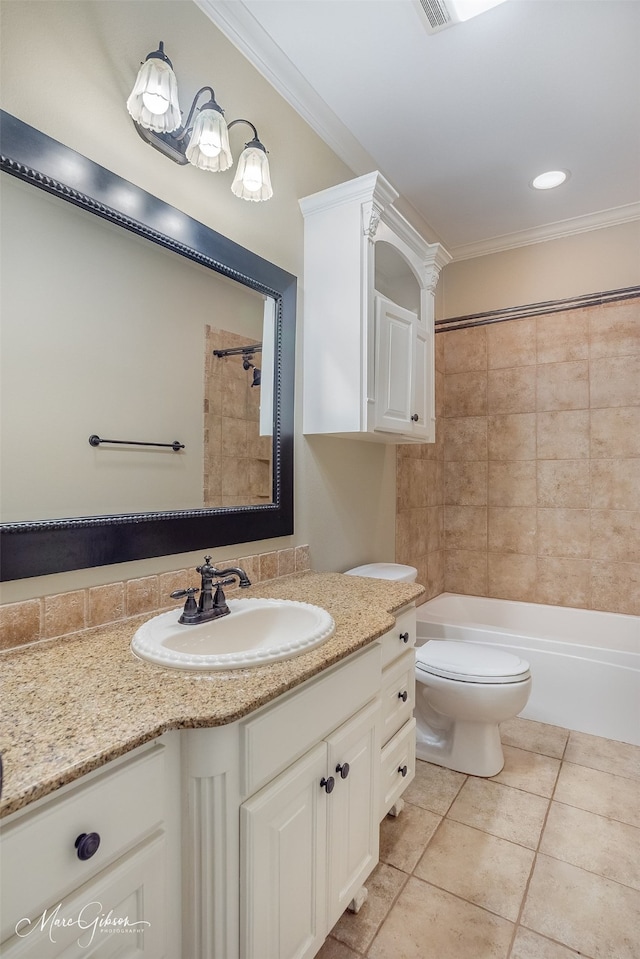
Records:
x=206, y=816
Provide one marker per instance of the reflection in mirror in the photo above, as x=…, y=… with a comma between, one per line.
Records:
x=91, y=352
x=124, y=351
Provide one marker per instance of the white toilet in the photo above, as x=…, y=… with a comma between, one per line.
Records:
x=463, y=691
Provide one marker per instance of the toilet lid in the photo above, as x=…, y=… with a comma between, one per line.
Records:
x=470, y=662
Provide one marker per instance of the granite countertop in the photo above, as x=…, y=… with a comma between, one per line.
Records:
x=73, y=704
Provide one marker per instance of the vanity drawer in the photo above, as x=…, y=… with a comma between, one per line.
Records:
x=397, y=756
x=399, y=639
x=398, y=694
x=275, y=738
x=40, y=861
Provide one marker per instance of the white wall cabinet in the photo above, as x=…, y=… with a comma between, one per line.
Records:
x=368, y=335
x=225, y=842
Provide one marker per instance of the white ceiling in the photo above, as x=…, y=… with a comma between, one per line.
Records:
x=460, y=121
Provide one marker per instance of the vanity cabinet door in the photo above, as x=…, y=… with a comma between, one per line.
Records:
x=121, y=914
x=354, y=762
x=283, y=863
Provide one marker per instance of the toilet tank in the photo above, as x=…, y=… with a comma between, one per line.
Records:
x=394, y=571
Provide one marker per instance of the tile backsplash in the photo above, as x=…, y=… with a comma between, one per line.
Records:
x=532, y=491
x=50, y=617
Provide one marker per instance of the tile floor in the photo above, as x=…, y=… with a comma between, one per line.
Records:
x=540, y=862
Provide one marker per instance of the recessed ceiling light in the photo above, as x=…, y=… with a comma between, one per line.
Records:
x=549, y=180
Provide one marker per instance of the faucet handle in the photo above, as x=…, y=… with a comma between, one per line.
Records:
x=179, y=593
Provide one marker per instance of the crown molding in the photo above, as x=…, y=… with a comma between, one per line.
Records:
x=244, y=31
x=550, y=231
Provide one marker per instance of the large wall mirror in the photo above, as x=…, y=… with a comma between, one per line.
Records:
x=147, y=372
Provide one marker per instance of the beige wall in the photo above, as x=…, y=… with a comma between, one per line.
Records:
x=540, y=428
x=604, y=259
x=67, y=68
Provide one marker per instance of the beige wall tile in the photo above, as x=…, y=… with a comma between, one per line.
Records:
x=64, y=613
x=615, y=329
x=20, y=623
x=564, y=483
x=512, y=576
x=465, y=438
x=511, y=436
x=512, y=484
x=563, y=435
x=465, y=351
x=563, y=581
x=286, y=561
x=303, y=558
x=563, y=386
x=512, y=529
x=465, y=394
x=465, y=484
x=564, y=532
x=440, y=340
x=251, y=566
x=105, y=604
x=465, y=527
x=440, y=389
x=435, y=528
x=615, y=536
x=614, y=381
x=434, y=580
x=465, y=571
x=512, y=343
x=511, y=390
x=616, y=587
x=615, y=432
x=615, y=484
x=141, y=595
x=268, y=565
x=562, y=337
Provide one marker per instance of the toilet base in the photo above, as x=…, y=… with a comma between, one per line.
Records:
x=465, y=747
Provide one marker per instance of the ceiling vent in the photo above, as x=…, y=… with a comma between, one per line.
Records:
x=437, y=14
x=441, y=14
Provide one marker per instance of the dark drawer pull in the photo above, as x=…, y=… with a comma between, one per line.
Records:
x=404, y=695
x=403, y=770
x=404, y=637
x=328, y=784
x=87, y=844
x=343, y=769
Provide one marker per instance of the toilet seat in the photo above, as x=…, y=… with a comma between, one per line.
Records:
x=470, y=663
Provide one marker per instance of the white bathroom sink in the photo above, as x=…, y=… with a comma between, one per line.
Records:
x=256, y=631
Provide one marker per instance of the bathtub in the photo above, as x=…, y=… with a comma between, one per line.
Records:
x=585, y=664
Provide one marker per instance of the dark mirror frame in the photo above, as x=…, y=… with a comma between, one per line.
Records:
x=53, y=546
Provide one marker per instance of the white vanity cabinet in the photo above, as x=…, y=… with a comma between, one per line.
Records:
x=94, y=869
x=368, y=337
x=398, y=758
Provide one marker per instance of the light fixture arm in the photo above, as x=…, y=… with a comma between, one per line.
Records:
x=210, y=105
x=252, y=143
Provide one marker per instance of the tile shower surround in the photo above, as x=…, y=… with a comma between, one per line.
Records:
x=50, y=617
x=532, y=489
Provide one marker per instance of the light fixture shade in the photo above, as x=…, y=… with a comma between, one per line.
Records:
x=153, y=102
x=208, y=147
x=253, y=180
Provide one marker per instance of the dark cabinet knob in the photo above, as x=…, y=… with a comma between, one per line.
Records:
x=343, y=769
x=404, y=695
x=87, y=844
x=403, y=770
x=415, y=418
x=404, y=637
x=328, y=784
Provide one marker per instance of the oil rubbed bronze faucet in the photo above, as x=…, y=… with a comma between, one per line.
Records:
x=210, y=605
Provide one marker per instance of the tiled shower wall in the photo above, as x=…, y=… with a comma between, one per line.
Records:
x=532, y=491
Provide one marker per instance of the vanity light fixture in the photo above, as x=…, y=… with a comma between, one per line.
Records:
x=549, y=180
x=203, y=140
